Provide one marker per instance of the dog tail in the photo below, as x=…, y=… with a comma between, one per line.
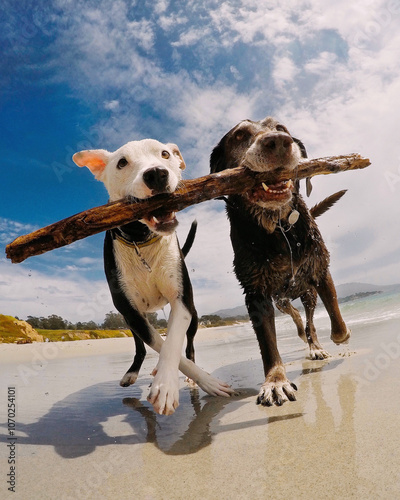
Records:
x=190, y=238
x=324, y=205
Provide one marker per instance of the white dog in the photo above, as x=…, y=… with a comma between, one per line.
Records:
x=145, y=268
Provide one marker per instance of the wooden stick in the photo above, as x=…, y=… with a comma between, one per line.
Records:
x=190, y=192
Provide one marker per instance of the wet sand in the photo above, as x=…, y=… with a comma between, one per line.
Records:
x=80, y=435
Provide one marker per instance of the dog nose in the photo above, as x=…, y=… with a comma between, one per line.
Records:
x=156, y=178
x=276, y=143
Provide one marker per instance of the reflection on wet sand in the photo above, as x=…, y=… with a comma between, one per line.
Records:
x=321, y=445
x=74, y=426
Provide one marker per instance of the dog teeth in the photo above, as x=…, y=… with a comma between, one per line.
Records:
x=168, y=217
x=288, y=185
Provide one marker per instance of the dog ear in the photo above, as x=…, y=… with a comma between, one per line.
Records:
x=177, y=153
x=304, y=155
x=303, y=150
x=217, y=158
x=94, y=159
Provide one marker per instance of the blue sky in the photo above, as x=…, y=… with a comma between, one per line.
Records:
x=96, y=74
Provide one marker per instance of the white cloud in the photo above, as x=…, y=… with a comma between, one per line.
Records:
x=258, y=23
x=323, y=64
x=236, y=73
x=284, y=72
x=168, y=23
x=142, y=32
x=111, y=105
x=161, y=6
x=192, y=36
x=28, y=292
x=10, y=229
x=209, y=262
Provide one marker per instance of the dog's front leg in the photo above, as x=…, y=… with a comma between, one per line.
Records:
x=340, y=334
x=277, y=388
x=164, y=393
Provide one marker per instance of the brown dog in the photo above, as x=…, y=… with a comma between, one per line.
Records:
x=279, y=251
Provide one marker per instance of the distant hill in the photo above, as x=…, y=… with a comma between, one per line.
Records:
x=231, y=313
x=343, y=291
x=352, y=288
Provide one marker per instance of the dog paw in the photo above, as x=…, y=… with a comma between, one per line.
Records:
x=128, y=379
x=164, y=392
x=276, y=389
x=341, y=337
x=214, y=387
x=318, y=353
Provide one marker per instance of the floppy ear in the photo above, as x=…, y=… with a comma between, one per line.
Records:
x=94, y=159
x=301, y=146
x=304, y=155
x=217, y=158
x=177, y=153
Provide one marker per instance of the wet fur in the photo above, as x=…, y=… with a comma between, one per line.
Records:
x=275, y=261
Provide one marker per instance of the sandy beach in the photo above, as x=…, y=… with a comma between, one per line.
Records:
x=80, y=435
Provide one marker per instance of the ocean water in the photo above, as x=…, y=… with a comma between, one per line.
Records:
x=376, y=309
x=371, y=309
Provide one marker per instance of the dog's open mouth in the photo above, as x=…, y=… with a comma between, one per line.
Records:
x=162, y=222
x=274, y=192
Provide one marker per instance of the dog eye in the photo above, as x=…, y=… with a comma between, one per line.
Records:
x=122, y=163
x=239, y=136
x=165, y=155
x=282, y=128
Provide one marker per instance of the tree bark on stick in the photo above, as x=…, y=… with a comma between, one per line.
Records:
x=190, y=192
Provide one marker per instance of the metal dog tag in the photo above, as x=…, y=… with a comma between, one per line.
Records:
x=293, y=217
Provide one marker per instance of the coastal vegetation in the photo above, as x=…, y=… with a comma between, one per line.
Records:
x=54, y=328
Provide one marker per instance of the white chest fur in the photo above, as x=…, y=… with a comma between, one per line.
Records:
x=150, y=291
